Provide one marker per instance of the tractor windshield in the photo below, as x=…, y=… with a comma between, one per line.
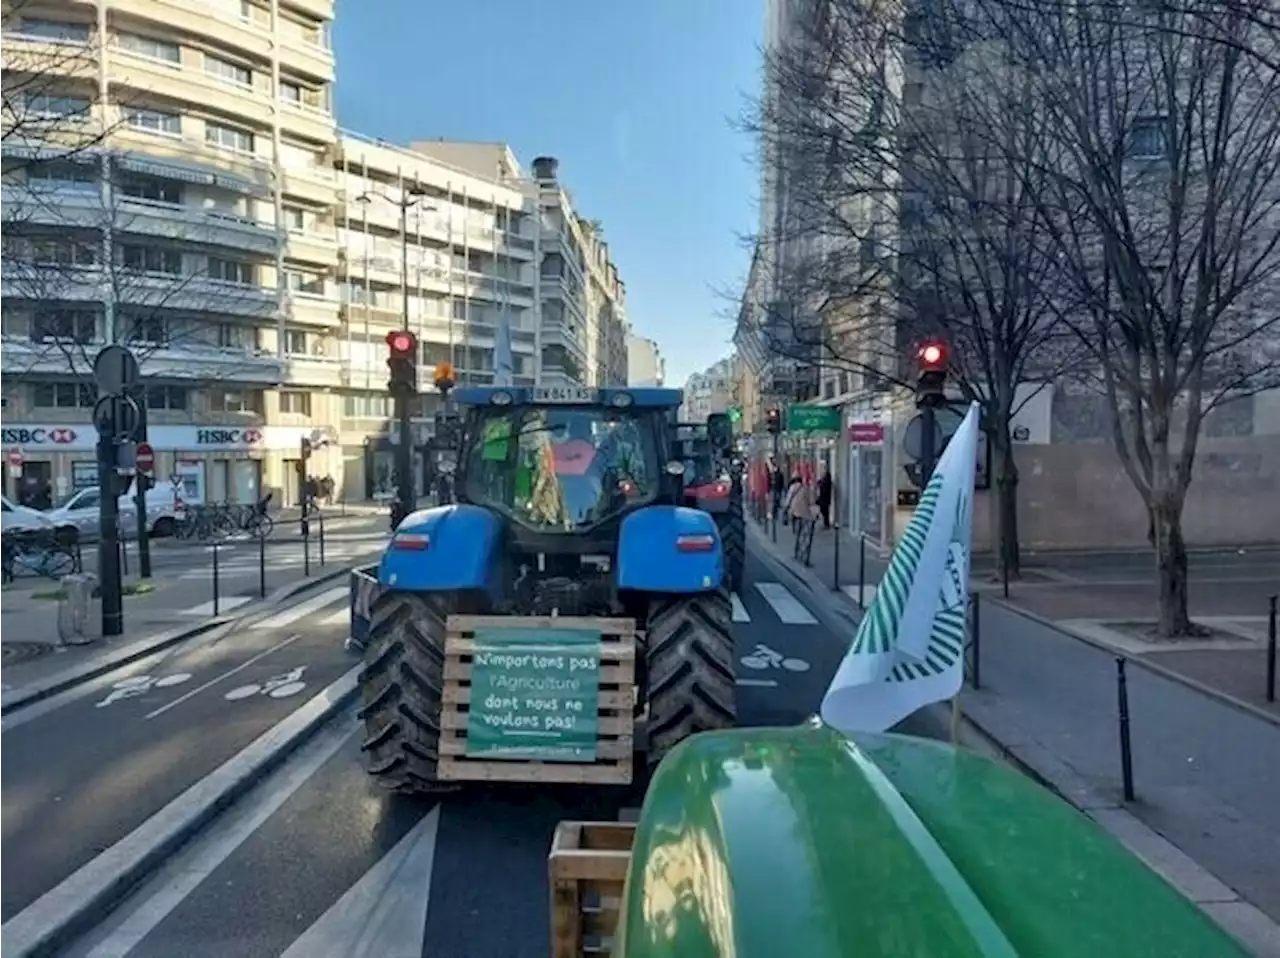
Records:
x=561, y=469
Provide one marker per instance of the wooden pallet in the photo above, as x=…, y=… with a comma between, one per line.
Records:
x=615, y=743
x=588, y=873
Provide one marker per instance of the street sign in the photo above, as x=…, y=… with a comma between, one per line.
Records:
x=913, y=441
x=813, y=419
x=14, y=458
x=115, y=369
x=144, y=458
x=866, y=432
x=117, y=416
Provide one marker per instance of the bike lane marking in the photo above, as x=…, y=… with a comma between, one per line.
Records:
x=740, y=613
x=230, y=672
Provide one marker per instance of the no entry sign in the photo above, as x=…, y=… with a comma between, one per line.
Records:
x=14, y=458
x=144, y=459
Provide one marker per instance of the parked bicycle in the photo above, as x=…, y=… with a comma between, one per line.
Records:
x=51, y=553
x=220, y=520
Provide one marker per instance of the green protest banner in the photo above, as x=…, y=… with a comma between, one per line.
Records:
x=535, y=695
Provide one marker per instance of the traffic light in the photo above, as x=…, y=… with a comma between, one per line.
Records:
x=774, y=419
x=444, y=377
x=931, y=373
x=403, y=362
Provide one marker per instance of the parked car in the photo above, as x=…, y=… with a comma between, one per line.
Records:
x=23, y=517
x=83, y=511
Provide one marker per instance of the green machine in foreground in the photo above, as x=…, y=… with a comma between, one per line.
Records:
x=804, y=843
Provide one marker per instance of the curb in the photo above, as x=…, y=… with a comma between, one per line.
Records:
x=1162, y=671
x=46, y=925
x=140, y=649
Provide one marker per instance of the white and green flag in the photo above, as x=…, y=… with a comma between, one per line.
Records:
x=909, y=649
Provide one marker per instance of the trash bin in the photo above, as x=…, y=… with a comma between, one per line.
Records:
x=79, y=609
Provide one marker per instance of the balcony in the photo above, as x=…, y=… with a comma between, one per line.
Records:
x=45, y=57
x=186, y=361
x=185, y=83
x=320, y=249
x=317, y=371
x=189, y=158
x=316, y=9
x=307, y=122
x=203, y=20
x=318, y=184
x=313, y=310
x=195, y=225
x=306, y=58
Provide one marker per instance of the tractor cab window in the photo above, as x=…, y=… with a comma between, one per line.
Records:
x=561, y=469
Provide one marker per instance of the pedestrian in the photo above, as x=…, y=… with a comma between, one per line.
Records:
x=793, y=488
x=777, y=486
x=824, y=497
x=800, y=503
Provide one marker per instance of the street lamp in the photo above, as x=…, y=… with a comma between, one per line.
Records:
x=406, y=488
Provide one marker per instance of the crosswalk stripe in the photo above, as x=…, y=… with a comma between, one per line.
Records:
x=205, y=609
x=868, y=593
x=788, y=608
x=739, y=610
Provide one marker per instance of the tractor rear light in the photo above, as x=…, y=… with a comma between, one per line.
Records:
x=695, y=543
x=411, y=541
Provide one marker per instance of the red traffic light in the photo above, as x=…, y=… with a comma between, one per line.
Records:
x=932, y=355
x=402, y=342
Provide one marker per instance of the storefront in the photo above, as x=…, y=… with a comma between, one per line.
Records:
x=207, y=463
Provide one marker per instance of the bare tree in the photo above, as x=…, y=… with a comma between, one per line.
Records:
x=1163, y=204
x=898, y=146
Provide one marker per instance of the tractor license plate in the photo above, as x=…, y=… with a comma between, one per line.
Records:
x=563, y=394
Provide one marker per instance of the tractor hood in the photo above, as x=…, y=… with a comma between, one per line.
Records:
x=761, y=843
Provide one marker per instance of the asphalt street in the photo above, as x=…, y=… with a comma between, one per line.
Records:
x=84, y=768
x=317, y=861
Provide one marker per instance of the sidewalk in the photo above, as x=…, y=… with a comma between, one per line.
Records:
x=1206, y=773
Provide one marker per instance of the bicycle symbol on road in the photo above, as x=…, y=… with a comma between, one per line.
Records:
x=277, y=687
x=766, y=658
x=141, y=684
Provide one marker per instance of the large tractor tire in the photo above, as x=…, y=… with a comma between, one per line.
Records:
x=733, y=537
x=400, y=689
x=689, y=658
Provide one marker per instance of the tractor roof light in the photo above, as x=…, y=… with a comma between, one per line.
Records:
x=501, y=399
x=623, y=400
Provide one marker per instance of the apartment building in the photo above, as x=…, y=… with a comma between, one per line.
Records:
x=189, y=217
x=174, y=181
x=645, y=363
x=710, y=391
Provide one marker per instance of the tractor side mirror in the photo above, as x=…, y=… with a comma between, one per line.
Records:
x=719, y=432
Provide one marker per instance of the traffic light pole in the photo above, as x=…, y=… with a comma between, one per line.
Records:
x=405, y=498
x=109, y=538
x=928, y=449
x=142, y=483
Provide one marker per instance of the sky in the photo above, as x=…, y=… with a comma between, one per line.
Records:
x=639, y=100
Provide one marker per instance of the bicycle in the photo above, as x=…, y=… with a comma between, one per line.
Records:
x=44, y=553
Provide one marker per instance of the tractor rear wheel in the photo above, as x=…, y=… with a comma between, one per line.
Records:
x=400, y=689
x=733, y=536
x=690, y=668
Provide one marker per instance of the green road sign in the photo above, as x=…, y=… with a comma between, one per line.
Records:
x=813, y=419
x=535, y=695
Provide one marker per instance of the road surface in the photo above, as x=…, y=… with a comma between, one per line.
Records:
x=317, y=861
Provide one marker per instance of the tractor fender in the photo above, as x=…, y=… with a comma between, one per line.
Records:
x=649, y=561
x=461, y=543
x=759, y=842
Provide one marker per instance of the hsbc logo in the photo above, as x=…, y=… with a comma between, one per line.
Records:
x=228, y=437
x=38, y=436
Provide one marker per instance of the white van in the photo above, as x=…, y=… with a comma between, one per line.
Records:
x=22, y=517
x=83, y=510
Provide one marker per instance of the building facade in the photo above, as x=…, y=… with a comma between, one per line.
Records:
x=645, y=363
x=707, y=392
x=174, y=182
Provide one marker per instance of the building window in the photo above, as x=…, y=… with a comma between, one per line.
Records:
x=309, y=284
x=233, y=271
x=290, y=92
x=295, y=219
x=66, y=107
x=295, y=342
x=77, y=326
x=1147, y=138
x=226, y=70
x=62, y=251
x=295, y=402
x=151, y=259
x=154, y=121
x=146, y=329
x=366, y=407
x=228, y=137
x=63, y=396
x=152, y=188
x=168, y=397
x=231, y=336
x=55, y=30
x=62, y=176
x=151, y=47
x=238, y=400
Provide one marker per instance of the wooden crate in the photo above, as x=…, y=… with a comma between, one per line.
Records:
x=615, y=743
x=588, y=872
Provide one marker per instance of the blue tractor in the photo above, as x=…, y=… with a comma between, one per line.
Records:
x=569, y=503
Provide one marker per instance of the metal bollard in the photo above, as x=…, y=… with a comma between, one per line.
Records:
x=975, y=674
x=862, y=571
x=1126, y=750
x=320, y=517
x=1271, y=648
x=262, y=566
x=216, y=578
x=306, y=547
x=835, y=562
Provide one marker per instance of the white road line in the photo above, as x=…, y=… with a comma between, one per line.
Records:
x=205, y=609
x=214, y=848
x=758, y=683
x=230, y=672
x=739, y=610
x=303, y=609
x=869, y=593
x=385, y=912
x=788, y=608
x=340, y=617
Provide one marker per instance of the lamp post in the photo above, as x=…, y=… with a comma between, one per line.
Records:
x=406, y=488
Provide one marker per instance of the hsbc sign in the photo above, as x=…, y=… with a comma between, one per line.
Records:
x=51, y=438
x=48, y=439
x=228, y=437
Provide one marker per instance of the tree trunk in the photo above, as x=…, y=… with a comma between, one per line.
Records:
x=1171, y=570
x=1008, y=553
